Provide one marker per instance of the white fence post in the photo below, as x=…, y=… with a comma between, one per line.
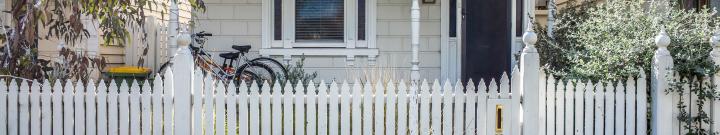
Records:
x=715, y=56
x=662, y=103
x=530, y=69
x=184, y=66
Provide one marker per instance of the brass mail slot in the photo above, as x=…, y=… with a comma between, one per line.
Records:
x=498, y=120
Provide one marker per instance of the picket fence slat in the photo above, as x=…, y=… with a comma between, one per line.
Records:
x=356, y=106
x=345, y=106
x=102, y=109
x=35, y=108
x=589, y=108
x=240, y=125
x=402, y=109
x=124, y=108
x=470, y=108
x=219, y=113
x=579, y=107
x=413, y=109
x=323, y=109
x=208, y=105
x=299, y=108
x=599, y=109
x=560, y=107
x=135, y=108
x=569, y=106
x=447, y=108
x=334, y=116
x=366, y=107
x=288, y=109
x=481, y=125
x=46, y=114
x=380, y=108
x=254, y=109
x=24, y=109
x=402, y=112
x=609, y=109
x=425, y=108
x=459, y=102
x=3, y=106
x=631, y=107
x=391, y=113
x=675, y=111
x=68, y=111
x=277, y=109
x=436, y=107
x=551, y=100
x=619, y=109
x=311, y=108
x=642, y=106
x=265, y=112
x=146, y=108
x=232, y=108
x=168, y=90
x=157, y=105
x=57, y=107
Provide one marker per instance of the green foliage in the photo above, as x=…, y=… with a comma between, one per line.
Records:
x=63, y=20
x=615, y=40
x=297, y=73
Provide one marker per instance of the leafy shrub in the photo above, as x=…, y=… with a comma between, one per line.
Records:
x=614, y=40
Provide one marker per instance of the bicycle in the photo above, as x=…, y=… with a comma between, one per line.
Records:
x=257, y=69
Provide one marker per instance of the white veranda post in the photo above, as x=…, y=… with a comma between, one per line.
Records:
x=173, y=27
x=415, y=37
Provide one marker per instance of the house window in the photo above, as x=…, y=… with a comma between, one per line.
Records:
x=361, y=19
x=319, y=20
x=319, y=23
x=277, y=15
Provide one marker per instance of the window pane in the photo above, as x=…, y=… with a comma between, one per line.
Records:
x=319, y=20
x=361, y=20
x=453, y=18
x=278, y=19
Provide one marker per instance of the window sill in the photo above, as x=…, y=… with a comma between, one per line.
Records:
x=350, y=53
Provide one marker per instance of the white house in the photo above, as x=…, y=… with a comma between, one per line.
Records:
x=346, y=39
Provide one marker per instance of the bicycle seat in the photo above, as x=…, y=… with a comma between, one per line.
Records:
x=231, y=55
x=242, y=48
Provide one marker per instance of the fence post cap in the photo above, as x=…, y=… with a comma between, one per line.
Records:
x=183, y=39
x=662, y=40
x=530, y=37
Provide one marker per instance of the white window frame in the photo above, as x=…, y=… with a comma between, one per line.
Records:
x=272, y=47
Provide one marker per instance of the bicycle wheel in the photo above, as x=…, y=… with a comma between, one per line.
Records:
x=275, y=66
x=262, y=72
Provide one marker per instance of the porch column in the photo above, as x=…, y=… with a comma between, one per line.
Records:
x=173, y=28
x=415, y=37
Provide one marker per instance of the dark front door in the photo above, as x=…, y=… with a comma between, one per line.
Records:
x=486, y=39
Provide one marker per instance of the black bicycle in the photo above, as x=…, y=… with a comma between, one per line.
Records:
x=257, y=69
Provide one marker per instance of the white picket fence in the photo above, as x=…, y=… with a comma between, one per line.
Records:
x=525, y=102
x=582, y=107
x=217, y=108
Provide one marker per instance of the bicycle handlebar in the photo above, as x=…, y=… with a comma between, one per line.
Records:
x=203, y=34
